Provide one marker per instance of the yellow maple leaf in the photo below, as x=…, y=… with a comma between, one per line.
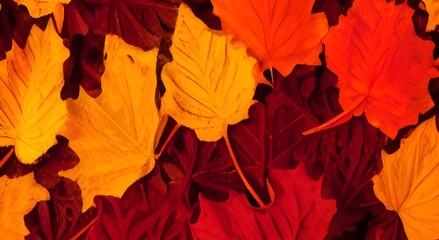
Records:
x=209, y=84
x=17, y=198
x=408, y=182
x=432, y=7
x=31, y=110
x=39, y=8
x=113, y=134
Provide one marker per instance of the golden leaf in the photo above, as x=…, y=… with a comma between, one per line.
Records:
x=17, y=198
x=31, y=110
x=39, y=8
x=113, y=134
x=432, y=7
x=408, y=182
x=209, y=84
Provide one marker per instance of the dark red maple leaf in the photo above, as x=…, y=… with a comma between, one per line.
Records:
x=298, y=212
x=60, y=217
x=15, y=24
x=145, y=24
x=348, y=155
x=162, y=204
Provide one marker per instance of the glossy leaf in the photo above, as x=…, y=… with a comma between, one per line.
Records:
x=379, y=74
x=280, y=34
x=30, y=84
x=298, y=212
x=113, y=134
x=209, y=84
x=17, y=197
x=408, y=182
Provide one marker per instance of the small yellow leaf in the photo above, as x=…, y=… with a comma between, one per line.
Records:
x=209, y=84
x=31, y=110
x=39, y=8
x=408, y=182
x=432, y=7
x=17, y=198
x=113, y=134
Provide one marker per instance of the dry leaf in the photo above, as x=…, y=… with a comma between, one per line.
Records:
x=408, y=182
x=31, y=79
x=17, y=198
x=209, y=84
x=281, y=33
x=432, y=7
x=113, y=134
x=383, y=67
x=39, y=8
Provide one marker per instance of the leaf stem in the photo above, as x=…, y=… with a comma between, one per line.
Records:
x=171, y=134
x=6, y=157
x=240, y=173
x=89, y=225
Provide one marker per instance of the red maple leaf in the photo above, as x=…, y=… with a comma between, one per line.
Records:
x=298, y=212
x=383, y=67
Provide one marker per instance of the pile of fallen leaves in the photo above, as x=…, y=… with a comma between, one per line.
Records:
x=222, y=119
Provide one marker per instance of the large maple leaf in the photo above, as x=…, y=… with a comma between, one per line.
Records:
x=346, y=155
x=383, y=67
x=113, y=134
x=30, y=82
x=17, y=197
x=280, y=34
x=209, y=84
x=407, y=183
x=298, y=212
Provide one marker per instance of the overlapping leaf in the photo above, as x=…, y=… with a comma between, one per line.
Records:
x=379, y=74
x=17, y=197
x=39, y=8
x=30, y=83
x=280, y=34
x=113, y=134
x=163, y=203
x=408, y=182
x=298, y=212
x=209, y=84
x=432, y=7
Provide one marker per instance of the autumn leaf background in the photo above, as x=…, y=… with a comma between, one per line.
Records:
x=198, y=119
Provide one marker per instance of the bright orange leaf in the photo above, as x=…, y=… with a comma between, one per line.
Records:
x=383, y=67
x=432, y=7
x=17, y=198
x=408, y=183
x=31, y=111
x=280, y=34
x=113, y=134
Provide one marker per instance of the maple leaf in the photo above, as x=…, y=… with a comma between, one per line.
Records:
x=383, y=67
x=432, y=7
x=280, y=34
x=347, y=155
x=140, y=23
x=113, y=134
x=30, y=82
x=298, y=212
x=209, y=84
x=407, y=183
x=18, y=197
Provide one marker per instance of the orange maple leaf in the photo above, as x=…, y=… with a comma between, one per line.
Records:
x=383, y=67
x=280, y=34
